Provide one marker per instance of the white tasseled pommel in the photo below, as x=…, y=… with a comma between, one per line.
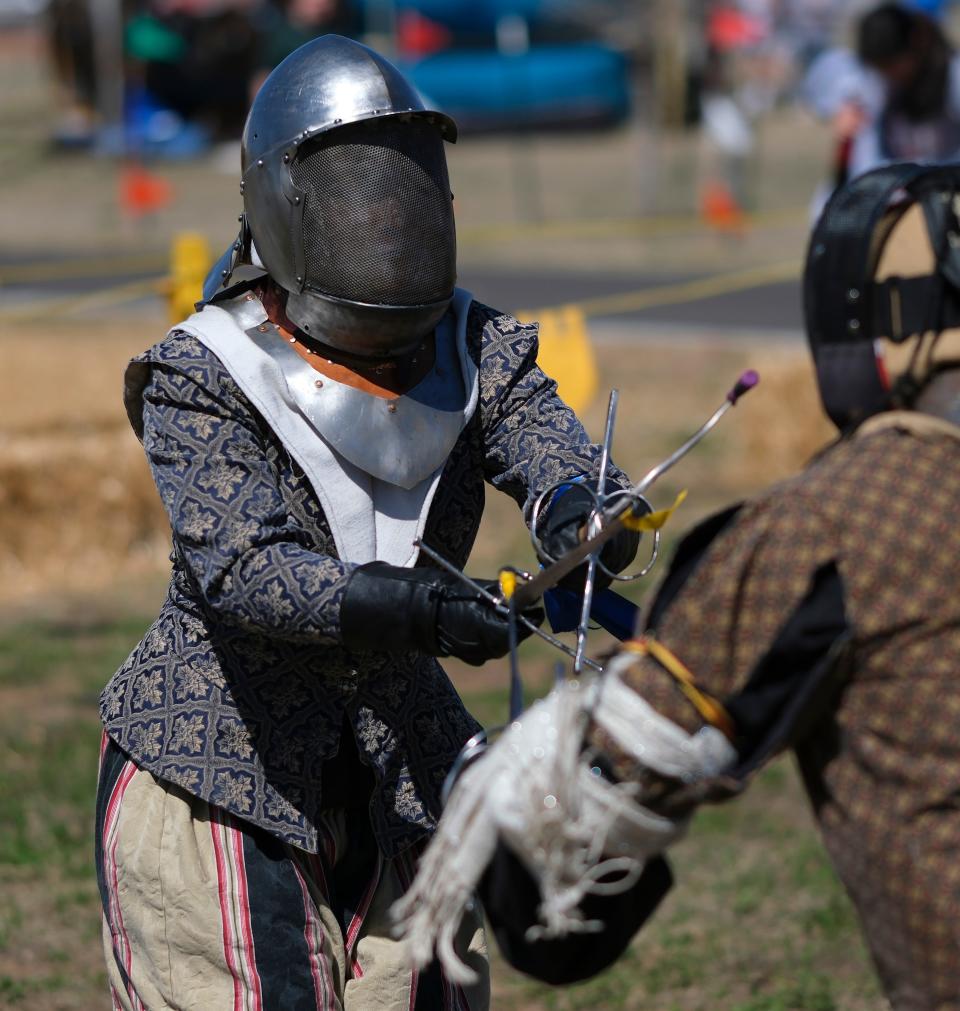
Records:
x=569, y=826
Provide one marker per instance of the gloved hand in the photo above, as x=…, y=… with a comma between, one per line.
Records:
x=559, y=532
x=425, y=610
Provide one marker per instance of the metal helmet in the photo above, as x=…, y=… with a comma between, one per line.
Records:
x=847, y=308
x=347, y=198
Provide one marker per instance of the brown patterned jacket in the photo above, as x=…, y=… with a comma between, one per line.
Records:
x=825, y=615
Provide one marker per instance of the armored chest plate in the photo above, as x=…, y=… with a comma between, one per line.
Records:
x=401, y=441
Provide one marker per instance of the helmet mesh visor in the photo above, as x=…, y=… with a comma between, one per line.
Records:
x=378, y=214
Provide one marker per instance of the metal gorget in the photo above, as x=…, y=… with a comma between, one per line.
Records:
x=402, y=440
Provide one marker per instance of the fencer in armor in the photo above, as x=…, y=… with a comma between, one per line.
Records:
x=821, y=615
x=276, y=744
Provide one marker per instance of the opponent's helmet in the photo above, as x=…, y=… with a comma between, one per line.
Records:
x=849, y=306
x=347, y=198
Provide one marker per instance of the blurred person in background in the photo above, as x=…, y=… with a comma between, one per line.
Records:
x=285, y=25
x=277, y=743
x=808, y=27
x=755, y=51
x=730, y=101
x=193, y=66
x=70, y=40
x=897, y=98
x=195, y=59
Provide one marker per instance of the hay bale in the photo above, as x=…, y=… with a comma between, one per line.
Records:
x=786, y=424
x=76, y=510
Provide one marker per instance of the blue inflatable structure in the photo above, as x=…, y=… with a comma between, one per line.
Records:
x=571, y=84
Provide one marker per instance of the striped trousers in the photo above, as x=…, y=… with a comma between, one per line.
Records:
x=204, y=912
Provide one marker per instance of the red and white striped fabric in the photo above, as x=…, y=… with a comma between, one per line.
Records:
x=203, y=911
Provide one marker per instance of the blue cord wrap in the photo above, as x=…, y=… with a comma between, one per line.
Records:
x=610, y=610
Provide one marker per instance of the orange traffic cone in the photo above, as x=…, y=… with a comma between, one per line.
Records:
x=720, y=210
x=141, y=192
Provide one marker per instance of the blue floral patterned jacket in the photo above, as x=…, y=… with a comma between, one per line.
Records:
x=238, y=691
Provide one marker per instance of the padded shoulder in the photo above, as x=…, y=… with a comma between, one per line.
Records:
x=492, y=328
x=191, y=365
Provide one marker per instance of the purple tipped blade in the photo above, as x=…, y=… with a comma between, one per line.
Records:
x=744, y=384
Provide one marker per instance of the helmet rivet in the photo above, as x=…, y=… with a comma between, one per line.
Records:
x=319, y=384
x=262, y=328
x=224, y=273
x=853, y=325
x=853, y=294
x=392, y=408
x=236, y=245
x=299, y=279
x=296, y=200
x=259, y=163
x=241, y=189
x=286, y=158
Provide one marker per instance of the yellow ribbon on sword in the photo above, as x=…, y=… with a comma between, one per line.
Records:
x=647, y=523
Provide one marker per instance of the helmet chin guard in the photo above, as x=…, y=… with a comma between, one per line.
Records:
x=347, y=198
x=846, y=309
x=370, y=331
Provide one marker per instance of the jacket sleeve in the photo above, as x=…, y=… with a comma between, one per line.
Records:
x=753, y=607
x=250, y=559
x=532, y=439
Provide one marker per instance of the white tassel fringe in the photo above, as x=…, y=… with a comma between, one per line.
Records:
x=568, y=825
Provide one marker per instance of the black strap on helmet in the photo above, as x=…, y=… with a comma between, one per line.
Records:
x=234, y=271
x=846, y=309
x=903, y=306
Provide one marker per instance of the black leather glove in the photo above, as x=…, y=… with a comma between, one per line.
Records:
x=430, y=611
x=559, y=532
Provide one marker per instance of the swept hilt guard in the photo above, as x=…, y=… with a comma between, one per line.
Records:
x=632, y=510
x=613, y=520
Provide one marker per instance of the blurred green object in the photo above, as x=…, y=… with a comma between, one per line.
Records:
x=148, y=39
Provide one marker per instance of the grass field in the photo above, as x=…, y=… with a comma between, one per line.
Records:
x=757, y=921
